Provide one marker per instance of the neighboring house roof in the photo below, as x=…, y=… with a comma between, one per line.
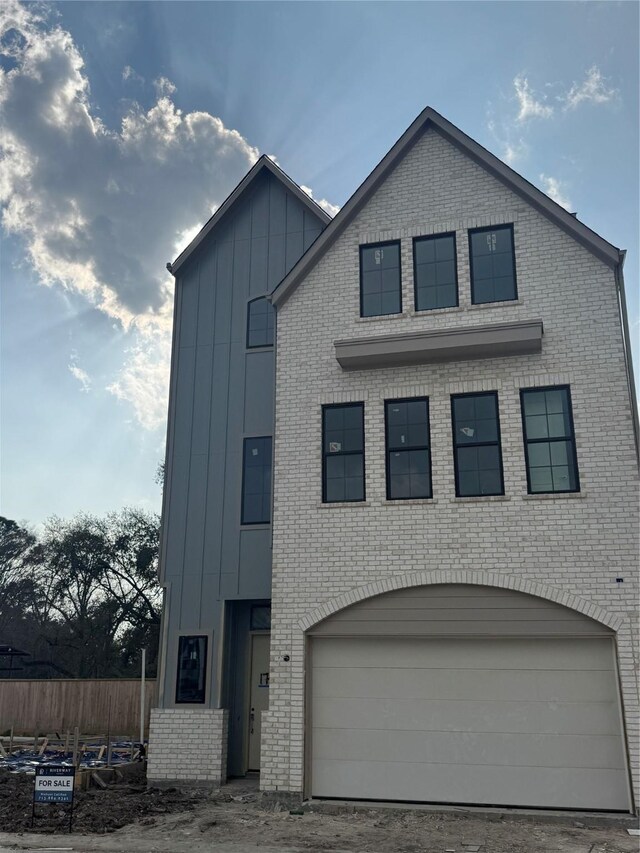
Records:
x=263, y=163
x=602, y=249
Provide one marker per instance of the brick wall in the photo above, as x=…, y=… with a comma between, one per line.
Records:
x=570, y=548
x=188, y=745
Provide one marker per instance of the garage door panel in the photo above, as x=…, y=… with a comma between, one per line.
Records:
x=489, y=684
x=485, y=785
x=470, y=715
x=433, y=748
x=463, y=653
x=509, y=721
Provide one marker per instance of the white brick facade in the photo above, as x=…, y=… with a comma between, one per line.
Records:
x=188, y=745
x=570, y=548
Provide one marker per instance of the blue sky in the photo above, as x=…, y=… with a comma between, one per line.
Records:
x=123, y=126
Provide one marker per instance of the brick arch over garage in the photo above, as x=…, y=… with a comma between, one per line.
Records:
x=472, y=578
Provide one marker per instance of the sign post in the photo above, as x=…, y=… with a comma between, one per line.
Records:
x=54, y=784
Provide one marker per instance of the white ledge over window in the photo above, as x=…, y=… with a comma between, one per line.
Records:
x=492, y=341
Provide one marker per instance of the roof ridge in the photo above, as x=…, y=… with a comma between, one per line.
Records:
x=600, y=247
x=263, y=162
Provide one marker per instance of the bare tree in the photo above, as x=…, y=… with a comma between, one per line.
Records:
x=16, y=546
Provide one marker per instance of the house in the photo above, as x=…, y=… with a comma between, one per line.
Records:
x=215, y=565
x=454, y=555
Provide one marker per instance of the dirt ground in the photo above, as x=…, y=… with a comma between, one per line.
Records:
x=138, y=820
x=96, y=810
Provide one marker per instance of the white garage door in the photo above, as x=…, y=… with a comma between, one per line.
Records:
x=517, y=721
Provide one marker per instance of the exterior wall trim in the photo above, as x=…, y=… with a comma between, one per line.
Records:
x=523, y=337
x=513, y=582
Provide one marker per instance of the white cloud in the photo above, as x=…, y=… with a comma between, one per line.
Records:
x=329, y=208
x=129, y=73
x=185, y=237
x=592, y=90
x=515, y=152
x=529, y=106
x=143, y=382
x=100, y=210
x=81, y=375
x=554, y=189
x=164, y=87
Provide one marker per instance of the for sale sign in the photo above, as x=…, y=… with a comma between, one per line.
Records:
x=54, y=784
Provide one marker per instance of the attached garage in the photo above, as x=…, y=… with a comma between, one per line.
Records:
x=461, y=694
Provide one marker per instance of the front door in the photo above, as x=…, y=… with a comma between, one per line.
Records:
x=258, y=694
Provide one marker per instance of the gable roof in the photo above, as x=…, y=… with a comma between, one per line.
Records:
x=602, y=249
x=263, y=163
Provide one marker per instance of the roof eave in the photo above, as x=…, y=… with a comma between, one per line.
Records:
x=348, y=211
x=600, y=247
x=263, y=162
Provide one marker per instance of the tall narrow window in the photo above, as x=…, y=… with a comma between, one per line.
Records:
x=476, y=443
x=192, y=668
x=343, y=453
x=550, y=447
x=435, y=274
x=256, y=481
x=260, y=323
x=408, y=452
x=380, y=288
x=493, y=264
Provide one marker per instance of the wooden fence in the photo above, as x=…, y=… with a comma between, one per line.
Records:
x=58, y=705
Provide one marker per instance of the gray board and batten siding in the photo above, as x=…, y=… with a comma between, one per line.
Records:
x=220, y=393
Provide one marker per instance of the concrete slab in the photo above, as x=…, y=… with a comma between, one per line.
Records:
x=562, y=818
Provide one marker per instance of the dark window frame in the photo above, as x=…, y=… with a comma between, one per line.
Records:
x=381, y=245
x=498, y=442
x=388, y=450
x=505, y=226
x=254, y=610
x=244, y=443
x=424, y=238
x=527, y=441
x=249, y=345
x=343, y=453
x=181, y=638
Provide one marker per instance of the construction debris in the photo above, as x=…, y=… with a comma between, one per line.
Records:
x=95, y=809
x=24, y=754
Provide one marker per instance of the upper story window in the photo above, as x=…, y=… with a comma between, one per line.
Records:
x=434, y=272
x=408, y=449
x=192, y=666
x=493, y=265
x=260, y=323
x=343, y=453
x=550, y=447
x=476, y=444
x=256, y=481
x=380, y=283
